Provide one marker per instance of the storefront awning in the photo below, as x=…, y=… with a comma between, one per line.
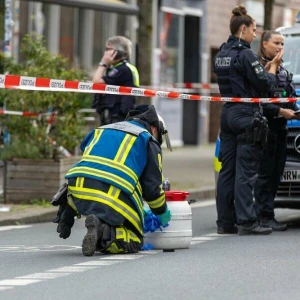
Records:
x=116, y=6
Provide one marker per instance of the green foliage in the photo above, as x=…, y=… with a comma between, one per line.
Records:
x=28, y=134
x=40, y=202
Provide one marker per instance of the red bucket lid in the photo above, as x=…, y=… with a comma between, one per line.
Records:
x=176, y=195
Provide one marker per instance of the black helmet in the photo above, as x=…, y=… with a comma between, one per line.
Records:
x=148, y=113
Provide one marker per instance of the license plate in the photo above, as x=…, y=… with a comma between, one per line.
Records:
x=290, y=175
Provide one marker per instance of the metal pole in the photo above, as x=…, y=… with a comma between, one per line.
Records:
x=8, y=24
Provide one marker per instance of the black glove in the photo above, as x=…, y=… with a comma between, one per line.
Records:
x=65, y=219
x=64, y=230
x=60, y=211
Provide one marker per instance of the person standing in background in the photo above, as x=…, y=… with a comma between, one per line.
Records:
x=272, y=165
x=239, y=74
x=114, y=69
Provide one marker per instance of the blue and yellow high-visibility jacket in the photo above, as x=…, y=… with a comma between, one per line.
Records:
x=118, y=155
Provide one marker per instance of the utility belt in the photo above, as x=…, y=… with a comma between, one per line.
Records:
x=108, y=117
x=280, y=93
x=257, y=133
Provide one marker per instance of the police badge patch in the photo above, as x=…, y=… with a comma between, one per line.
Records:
x=258, y=69
x=113, y=72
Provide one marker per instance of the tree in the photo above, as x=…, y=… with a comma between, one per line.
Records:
x=268, y=14
x=145, y=41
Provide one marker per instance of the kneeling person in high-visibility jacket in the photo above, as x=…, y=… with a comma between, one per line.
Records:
x=121, y=165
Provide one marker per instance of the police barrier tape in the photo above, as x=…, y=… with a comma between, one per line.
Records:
x=184, y=85
x=18, y=113
x=56, y=85
x=61, y=149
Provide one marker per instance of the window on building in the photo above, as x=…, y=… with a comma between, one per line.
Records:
x=169, y=44
x=67, y=39
x=106, y=25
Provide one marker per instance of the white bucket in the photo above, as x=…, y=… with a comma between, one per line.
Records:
x=178, y=234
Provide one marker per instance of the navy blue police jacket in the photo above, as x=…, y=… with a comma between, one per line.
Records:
x=239, y=72
x=121, y=74
x=284, y=81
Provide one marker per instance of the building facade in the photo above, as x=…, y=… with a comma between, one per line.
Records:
x=186, y=35
x=77, y=29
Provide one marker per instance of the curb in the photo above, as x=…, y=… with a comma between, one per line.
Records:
x=202, y=194
x=42, y=215
x=29, y=217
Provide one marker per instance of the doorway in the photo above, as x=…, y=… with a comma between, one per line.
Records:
x=191, y=74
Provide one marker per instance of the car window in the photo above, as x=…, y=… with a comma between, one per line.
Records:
x=291, y=56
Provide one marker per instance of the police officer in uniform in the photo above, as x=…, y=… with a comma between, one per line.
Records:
x=121, y=165
x=243, y=128
x=273, y=162
x=114, y=69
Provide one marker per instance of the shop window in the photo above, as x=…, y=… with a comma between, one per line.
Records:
x=66, y=40
x=169, y=45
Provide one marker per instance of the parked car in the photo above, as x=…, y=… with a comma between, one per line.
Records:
x=288, y=194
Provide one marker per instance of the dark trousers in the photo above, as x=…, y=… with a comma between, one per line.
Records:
x=271, y=169
x=240, y=165
x=110, y=115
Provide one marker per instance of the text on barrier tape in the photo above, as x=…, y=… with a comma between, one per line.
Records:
x=56, y=85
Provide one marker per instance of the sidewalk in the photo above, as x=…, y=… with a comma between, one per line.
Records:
x=189, y=168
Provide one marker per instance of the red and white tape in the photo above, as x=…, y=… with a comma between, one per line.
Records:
x=54, y=85
x=183, y=85
x=24, y=113
x=18, y=113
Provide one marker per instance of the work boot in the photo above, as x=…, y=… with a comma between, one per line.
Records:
x=90, y=240
x=227, y=230
x=273, y=223
x=254, y=228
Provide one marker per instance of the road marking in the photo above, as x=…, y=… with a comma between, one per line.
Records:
x=150, y=251
x=46, y=248
x=18, y=282
x=203, y=203
x=105, y=260
x=3, y=228
x=218, y=235
x=97, y=263
x=2, y=288
x=207, y=237
x=72, y=269
x=203, y=238
x=197, y=242
x=123, y=256
x=43, y=275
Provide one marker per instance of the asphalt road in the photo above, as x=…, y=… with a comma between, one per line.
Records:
x=36, y=264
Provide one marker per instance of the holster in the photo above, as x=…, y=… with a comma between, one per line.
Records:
x=279, y=92
x=260, y=130
x=61, y=197
x=257, y=133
